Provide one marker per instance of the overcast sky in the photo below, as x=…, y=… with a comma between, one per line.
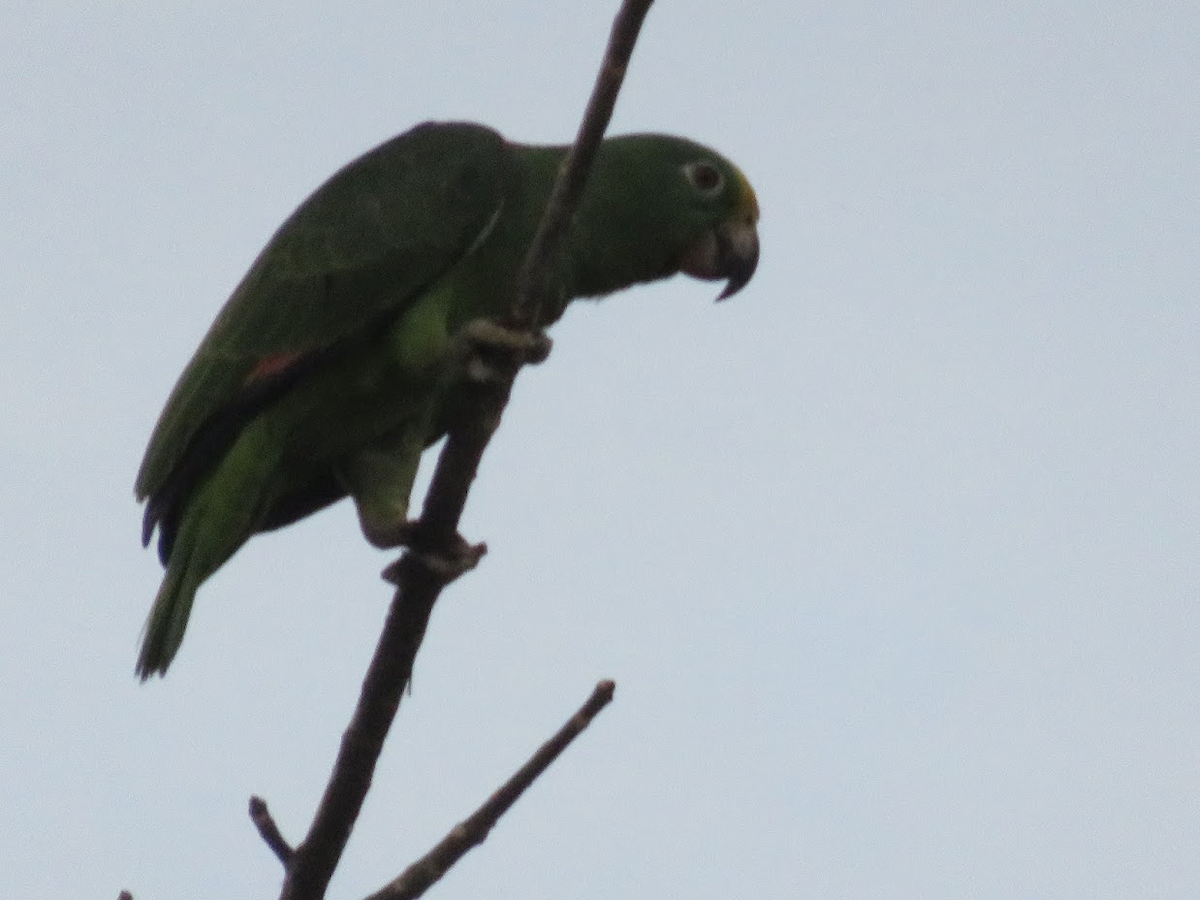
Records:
x=895, y=557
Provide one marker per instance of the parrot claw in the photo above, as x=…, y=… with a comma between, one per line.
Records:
x=479, y=371
x=537, y=351
x=488, y=339
x=447, y=557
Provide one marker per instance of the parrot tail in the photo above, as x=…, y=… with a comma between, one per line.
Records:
x=218, y=518
x=169, y=616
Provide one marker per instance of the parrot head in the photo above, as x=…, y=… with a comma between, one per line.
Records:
x=672, y=205
x=727, y=244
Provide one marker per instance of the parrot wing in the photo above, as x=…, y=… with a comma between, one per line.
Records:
x=351, y=257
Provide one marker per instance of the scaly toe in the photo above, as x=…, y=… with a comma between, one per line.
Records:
x=454, y=558
x=486, y=334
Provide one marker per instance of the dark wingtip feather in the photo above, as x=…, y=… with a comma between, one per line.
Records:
x=160, y=515
x=149, y=520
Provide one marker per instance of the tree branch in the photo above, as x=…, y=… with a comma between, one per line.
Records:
x=536, y=279
x=418, y=580
x=265, y=823
x=472, y=831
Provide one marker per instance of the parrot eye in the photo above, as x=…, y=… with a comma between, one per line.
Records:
x=705, y=177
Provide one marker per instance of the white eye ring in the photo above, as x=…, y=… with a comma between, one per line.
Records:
x=705, y=177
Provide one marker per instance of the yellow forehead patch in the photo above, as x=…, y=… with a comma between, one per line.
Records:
x=747, y=200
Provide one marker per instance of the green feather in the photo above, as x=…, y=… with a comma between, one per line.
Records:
x=325, y=371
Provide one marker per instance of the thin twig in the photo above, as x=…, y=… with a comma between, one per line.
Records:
x=263, y=821
x=472, y=831
x=418, y=582
x=535, y=279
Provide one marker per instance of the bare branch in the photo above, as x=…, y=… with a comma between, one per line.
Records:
x=418, y=581
x=261, y=817
x=472, y=831
x=535, y=282
x=313, y=862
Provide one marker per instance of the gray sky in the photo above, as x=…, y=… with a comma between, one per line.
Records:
x=894, y=558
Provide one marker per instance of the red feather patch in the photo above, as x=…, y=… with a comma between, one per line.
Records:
x=270, y=366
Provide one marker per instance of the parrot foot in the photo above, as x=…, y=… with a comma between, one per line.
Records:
x=492, y=344
x=386, y=535
x=449, y=556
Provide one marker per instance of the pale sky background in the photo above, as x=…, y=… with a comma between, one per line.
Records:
x=895, y=558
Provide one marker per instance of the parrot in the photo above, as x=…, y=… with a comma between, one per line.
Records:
x=328, y=371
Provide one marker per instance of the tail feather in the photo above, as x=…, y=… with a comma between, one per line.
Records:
x=219, y=517
x=169, y=616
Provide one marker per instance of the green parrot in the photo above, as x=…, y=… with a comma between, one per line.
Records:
x=327, y=372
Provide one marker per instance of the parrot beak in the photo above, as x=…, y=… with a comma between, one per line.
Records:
x=737, y=255
x=730, y=251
